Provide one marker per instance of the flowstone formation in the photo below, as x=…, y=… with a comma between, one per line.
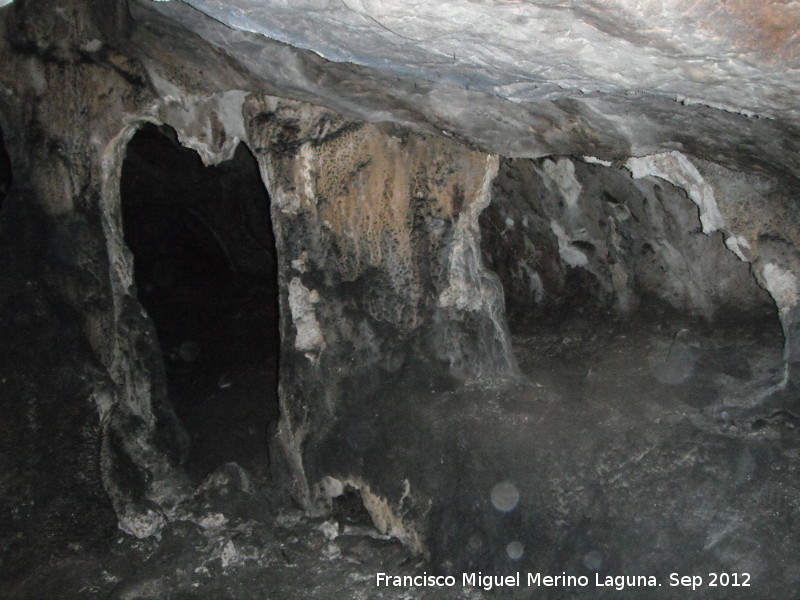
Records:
x=655, y=223
x=531, y=298
x=379, y=242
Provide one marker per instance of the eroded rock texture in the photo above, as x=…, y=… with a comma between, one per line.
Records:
x=381, y=265
x=613, y=79
x=564, y=230
x=431, y=170
x=58, y=224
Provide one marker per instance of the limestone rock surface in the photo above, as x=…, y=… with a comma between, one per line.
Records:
x=617, y=77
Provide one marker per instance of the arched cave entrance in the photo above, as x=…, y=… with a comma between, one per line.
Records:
x=205, y=272
x=5, y=170
x=614, y=294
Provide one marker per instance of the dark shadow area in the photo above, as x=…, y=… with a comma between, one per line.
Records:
x=204, y=257
x=587, y=254
x=5, y=171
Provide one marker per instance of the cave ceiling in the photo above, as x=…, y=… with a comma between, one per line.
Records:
x=608, y=78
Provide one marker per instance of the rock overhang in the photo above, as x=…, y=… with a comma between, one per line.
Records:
x=611, y=79
x=736, y=56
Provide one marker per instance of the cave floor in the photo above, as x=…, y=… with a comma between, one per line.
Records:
x=623, y=450
x=230, y=542
x=630, y=447
x=687, y=367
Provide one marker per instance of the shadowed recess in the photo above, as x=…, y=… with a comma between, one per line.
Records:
x=205, y=273
x=5, y=171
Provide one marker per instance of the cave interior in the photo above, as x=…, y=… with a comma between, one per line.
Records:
x=283, y=306
x=5, y=170
x=205, y=268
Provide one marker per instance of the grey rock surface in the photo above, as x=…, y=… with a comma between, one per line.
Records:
x=652, y=148
x=612, y=79
x=740, y=57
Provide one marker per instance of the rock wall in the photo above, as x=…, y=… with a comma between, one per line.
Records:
x=380, y=264
x=380, y=267
x=700, y=237
x=565, y=232
x=376, y=230
x=758, y=219
x=64, y=97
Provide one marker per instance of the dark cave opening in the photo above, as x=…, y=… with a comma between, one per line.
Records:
x=205, y=272
x=5, y=170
